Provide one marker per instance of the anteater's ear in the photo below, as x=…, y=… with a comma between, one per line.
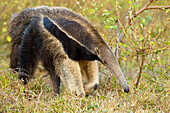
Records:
x=74, y=30
x=97, y=51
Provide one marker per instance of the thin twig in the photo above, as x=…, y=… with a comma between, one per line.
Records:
x=150, y=7
x=158, y=7
x=38, y=98
x=116, y=52
x=138, y=59
x=143, y=9
x=146, y=7
x=140, y=72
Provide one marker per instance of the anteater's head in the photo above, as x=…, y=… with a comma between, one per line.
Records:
x=110, y=61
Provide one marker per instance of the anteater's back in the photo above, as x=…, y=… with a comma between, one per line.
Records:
x=22, y=20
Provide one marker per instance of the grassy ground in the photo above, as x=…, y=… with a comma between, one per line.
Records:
x=152, y=94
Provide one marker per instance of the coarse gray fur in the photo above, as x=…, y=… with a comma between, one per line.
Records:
x=32, y=40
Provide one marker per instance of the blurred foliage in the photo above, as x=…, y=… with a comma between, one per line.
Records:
x=147, y=34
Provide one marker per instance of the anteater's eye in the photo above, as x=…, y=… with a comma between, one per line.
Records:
x=105, y=61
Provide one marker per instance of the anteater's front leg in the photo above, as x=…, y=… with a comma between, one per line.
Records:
x=89, y=70
x=28, y=55
x=50, y=67
x=70, y=74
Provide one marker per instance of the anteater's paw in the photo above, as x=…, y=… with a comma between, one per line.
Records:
x=89, y=88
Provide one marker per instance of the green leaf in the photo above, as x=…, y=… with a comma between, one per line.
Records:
x=115, y=17
x=91, y=11
x=160, y=29
x=141, y=52
x=107, y=26
x=141, y=38
x=105, y=11
x=124, y=45
x=130, y=2
x=4, y=29
x=134, y=5
x=111, y=18
x=167, y=42
x=153, y=60
x=167, y=10
x=158, y=51
x=114, y=26
x=153, y=43
x=4, y=23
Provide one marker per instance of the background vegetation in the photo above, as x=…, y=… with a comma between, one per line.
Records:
x=143, y=42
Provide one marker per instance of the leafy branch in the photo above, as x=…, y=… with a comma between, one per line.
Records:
x=146, y=7
x=122, y=24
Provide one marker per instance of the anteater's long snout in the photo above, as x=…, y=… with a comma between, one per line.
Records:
x=126, y=89
x=119, y=75
x=110, y=61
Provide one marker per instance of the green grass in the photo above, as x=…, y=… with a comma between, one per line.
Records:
x=152, y=94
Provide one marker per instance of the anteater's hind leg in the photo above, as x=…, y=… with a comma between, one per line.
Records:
x=55, y=82
x=89, y=70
